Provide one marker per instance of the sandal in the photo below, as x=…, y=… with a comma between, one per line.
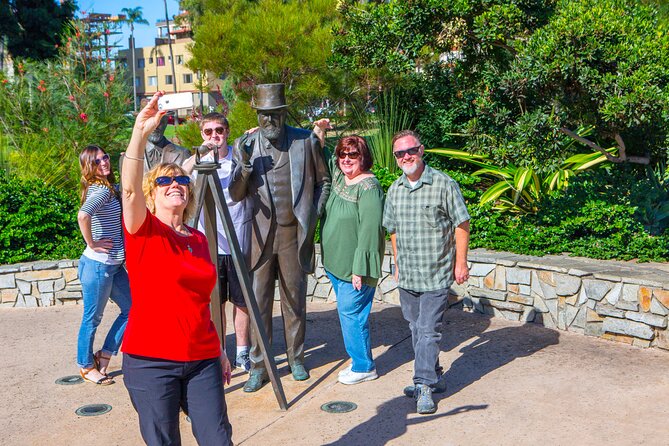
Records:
x=104, y=381
x=96, y=360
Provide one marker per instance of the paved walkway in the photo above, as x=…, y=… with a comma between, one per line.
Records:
x=509, y=384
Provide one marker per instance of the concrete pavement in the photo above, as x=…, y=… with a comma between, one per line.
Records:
x=509, y=383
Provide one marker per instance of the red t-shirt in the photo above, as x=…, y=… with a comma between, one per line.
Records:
x=171, y=278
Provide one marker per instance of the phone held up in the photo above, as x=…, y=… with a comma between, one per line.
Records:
x=175, y=101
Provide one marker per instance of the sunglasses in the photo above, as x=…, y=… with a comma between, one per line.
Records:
x=411, y=151
x=182, y=180
x=351, y=155
x=218, y=130
x=105, y=157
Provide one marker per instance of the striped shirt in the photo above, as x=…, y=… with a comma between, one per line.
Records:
x=105, y=211
x=424, y=218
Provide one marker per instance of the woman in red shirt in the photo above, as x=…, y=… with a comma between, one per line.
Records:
x=172, y=356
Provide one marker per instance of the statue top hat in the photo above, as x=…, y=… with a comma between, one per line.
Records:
x=269, y=97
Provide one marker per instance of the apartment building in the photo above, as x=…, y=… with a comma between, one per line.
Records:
x=153, y=68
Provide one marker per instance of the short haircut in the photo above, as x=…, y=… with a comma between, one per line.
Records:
x=214, y=117
x=402, y=134
x=170, y=170
x=358, y=143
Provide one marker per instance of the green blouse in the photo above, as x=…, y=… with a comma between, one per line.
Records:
x=352, y=238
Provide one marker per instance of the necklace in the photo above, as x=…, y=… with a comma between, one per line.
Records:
x=185, y=234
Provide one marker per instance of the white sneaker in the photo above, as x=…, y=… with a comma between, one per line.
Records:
x=346, y=371
x=357, y=377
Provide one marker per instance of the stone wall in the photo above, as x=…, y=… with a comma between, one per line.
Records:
x=619, y=301
x=39, y=284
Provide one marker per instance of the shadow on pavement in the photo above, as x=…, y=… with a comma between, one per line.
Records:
x=391, y=421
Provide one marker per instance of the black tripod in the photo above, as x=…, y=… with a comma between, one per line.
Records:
x=209, y=194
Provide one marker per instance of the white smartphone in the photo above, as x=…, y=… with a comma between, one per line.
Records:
x=175, y=101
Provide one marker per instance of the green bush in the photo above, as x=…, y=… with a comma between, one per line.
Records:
x=189, y=135
x=37, y=222
x=590, y=219
x=241, y=117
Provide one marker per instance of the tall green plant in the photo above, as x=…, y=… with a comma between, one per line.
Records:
x=50, y=110
x=389, y=118
x=521, y=189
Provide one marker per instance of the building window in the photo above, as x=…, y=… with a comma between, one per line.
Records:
x=168, y=79
x=180, y=59
x=153, y=81
x=188, y=78
x=140, y=62
x=138, y=82
x=160, y=61
x=150, y=60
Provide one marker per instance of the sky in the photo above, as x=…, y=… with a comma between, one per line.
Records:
x=152, y=10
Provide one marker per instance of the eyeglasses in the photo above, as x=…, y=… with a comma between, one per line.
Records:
x=399, y=154
x=219, y=131
x=182, y=180
x=351, y=155
x=105, y=157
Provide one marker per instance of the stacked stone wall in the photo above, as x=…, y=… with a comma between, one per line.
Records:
x=39, y=284
x=618, y=301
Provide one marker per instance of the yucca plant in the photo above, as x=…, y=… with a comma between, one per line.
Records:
x=521, y=189
x=389, y=118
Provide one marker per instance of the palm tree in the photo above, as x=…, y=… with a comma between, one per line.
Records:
x=134, y=15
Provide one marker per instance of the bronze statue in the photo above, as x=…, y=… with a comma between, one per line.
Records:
x=282, y=171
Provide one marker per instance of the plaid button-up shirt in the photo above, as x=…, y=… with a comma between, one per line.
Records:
x=424, y=218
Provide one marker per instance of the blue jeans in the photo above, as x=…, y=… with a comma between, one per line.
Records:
x=99, y=282
x=354, y=307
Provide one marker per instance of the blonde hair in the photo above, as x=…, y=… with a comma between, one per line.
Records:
x=89, y=172
x=170, y=170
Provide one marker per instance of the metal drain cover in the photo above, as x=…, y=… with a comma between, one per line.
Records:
x=339, y=407
x=92, y=410
x=69, y=380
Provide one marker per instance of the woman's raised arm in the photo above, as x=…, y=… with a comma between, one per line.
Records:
x=134, y=205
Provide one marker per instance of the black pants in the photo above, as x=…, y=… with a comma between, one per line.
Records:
x=159, y=388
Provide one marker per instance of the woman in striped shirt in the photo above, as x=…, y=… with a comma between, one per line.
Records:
x=101, y=271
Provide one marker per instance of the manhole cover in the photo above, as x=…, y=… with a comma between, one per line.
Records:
x=339, y=407
x=69, y=380
x=92, y=410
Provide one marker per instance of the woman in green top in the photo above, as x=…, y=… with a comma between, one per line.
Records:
x=352, y=246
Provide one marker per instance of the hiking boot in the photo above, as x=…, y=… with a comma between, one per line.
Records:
x=424, y=402
x=357, y=377
x=243, y=361
x=257, y=379
x=299, y=372
x=439, y=387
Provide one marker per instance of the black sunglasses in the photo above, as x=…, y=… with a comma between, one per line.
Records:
x=218, y=130
x=105, y=157
x=411, y=151
x=351, y=155
x=182, y=180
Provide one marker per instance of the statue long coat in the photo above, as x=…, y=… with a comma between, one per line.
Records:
x=310, y=187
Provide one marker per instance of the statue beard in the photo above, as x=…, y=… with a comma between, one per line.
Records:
x=272, y=133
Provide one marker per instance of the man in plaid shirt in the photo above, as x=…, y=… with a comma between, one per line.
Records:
x=428, y=224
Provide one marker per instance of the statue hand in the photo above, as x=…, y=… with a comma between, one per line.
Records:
x=244, y=147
